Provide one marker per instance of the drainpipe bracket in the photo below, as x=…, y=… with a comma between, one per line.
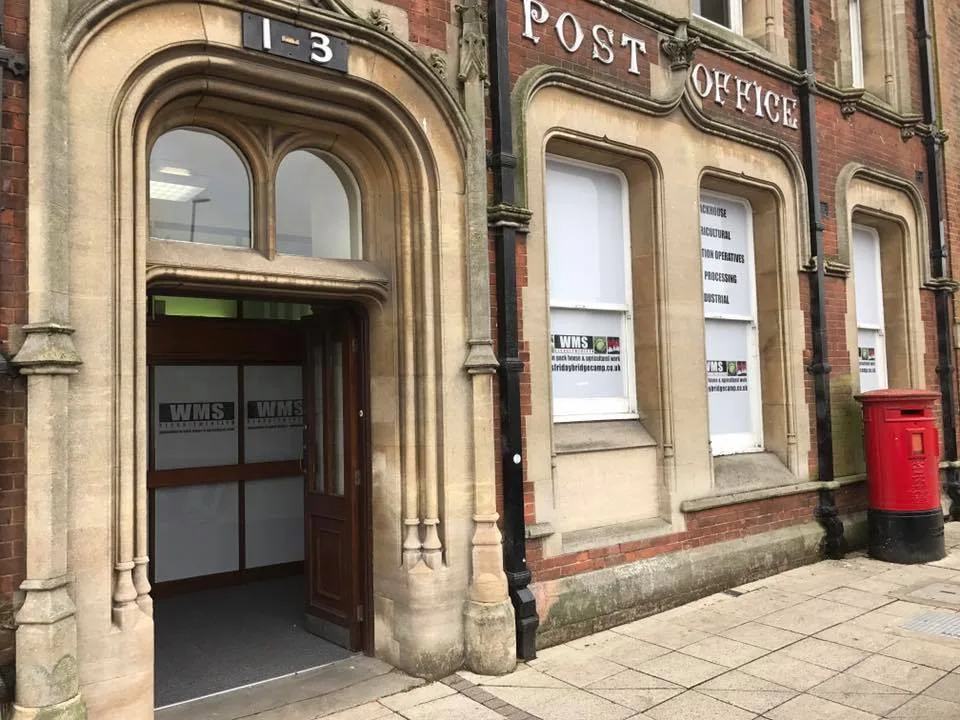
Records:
x=505, y=215
x=942, y=285
x=820, y=368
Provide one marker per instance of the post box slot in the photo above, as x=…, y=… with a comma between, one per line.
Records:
x=914, y=412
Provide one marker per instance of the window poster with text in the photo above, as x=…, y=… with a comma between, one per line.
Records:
x=729, y=311
x=586, y=357
x=195, y=415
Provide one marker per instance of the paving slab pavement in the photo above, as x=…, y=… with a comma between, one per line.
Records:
x=852, y=639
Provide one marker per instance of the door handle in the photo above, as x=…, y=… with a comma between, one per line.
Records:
x=303, y=450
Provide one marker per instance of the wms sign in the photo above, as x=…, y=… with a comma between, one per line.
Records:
x=212, y=416
x=263, y=414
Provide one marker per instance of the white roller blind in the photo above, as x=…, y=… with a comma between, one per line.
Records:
x=868, y=291
x=730, y=324
x=591, y=331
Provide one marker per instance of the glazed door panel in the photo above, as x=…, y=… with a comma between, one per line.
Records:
x=332, y=452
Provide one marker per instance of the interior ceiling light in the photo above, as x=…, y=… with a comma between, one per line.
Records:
x=171, y=170
x=174, y=192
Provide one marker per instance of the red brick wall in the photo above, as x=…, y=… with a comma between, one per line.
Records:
x=703, y=528
x=13, y=299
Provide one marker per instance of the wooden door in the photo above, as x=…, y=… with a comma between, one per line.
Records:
x=333, y=466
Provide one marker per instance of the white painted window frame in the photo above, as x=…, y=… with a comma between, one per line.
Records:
x=593, y=409
x=881, y=359
x=741, y=443
x=734, y=10
x=856, y=44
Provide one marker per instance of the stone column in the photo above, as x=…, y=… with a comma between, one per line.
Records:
x=489, y=633
x=48, y=682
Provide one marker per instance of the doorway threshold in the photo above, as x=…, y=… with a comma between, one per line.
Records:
x=302, y=695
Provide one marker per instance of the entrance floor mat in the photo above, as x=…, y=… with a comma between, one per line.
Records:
x=215, y=640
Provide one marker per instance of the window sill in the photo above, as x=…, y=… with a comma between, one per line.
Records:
x=609, y=535
x=736, y=497
x=569, y=438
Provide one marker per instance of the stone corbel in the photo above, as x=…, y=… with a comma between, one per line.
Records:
x=850, y=101
x=679, y=50
x=47, y=349
x=509, y=216
x=943, y=285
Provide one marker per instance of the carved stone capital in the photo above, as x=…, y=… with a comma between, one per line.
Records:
x=679, y=48
x=438, y=63
x=48, y=349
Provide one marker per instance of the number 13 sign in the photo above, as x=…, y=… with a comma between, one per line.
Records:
x=285, y=40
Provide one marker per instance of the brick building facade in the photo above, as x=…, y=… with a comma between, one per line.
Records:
x=562, y=297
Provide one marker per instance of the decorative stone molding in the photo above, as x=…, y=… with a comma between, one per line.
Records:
x=378, y=19
x=438, y=63
x=473, y=40
x=679, y=48
x=48, y=349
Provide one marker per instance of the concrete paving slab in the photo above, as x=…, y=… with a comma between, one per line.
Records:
x=924, y=652
x=667, y=635
x=762, y=636
x=780, y=668
x=862, y=694
x=897, y=673
x=946, y=688
x=453, y=706
x=825, y=654
x=724, y=651
x=635, y=699
x=856, y=636
x=697, y=706
x=812, y=616
x=927, y=708
x=857, y=598
x=682, y=669
x=805, y=707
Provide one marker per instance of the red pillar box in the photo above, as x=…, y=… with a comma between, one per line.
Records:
x=904, y=517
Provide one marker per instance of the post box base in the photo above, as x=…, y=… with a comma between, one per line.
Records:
x=906, y=537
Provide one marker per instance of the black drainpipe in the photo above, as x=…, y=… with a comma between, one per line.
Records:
x=503, y=164
x=939, y=264
x=826, y=511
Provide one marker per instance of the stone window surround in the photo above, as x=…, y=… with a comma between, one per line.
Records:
x=784, y=417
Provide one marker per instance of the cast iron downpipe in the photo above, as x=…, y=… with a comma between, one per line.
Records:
x=503, y=164
x=939, y=264
x=826, y=511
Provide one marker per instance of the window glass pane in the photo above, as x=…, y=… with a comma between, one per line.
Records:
x=316, y=208
x=585, y=235
x=267, y=310
x=586, y=354
x=856, y=43
x=199, y=190
x=716, y=10
x=866, y=278
x=169, y=306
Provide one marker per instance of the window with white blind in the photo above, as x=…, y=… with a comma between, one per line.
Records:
x=591, y=326
x=868, y=289
x=734, y=399
x=728, y=13
x=856, y=44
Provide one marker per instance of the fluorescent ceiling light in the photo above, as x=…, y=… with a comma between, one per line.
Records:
x=171, y=170
x=174, y=192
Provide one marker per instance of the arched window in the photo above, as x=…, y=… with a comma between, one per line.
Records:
x=199, y=190
x=317, y=207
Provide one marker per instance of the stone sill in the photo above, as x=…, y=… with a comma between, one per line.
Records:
x=609, y=535
x=569, y=438
x=709, y=502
